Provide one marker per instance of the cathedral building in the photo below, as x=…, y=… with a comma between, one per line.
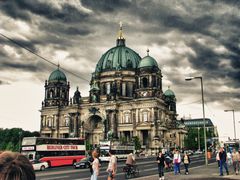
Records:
x=126, y=99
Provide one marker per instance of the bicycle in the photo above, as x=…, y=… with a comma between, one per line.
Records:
x=131, y=171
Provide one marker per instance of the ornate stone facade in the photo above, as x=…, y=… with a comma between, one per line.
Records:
x=125, y=100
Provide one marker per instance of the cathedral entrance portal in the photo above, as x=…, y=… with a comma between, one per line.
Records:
x=96, y=131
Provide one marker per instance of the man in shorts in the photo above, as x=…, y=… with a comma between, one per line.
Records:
x=112, y=166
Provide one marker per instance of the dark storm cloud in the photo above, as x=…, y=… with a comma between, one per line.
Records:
x=21, y=9
x=62, y=29
x=148, y=23
x=107, y=5
x=18, y=66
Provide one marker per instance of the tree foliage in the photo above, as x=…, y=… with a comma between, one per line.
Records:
x=191, y=140
x=10, y=139
x=137, y=143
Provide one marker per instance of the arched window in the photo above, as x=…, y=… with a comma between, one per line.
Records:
x=127, y=118
x=51, y=93
x=145, y=116
x=145, y=82
x=129, y=64
x=109, y=64
x=154, y=83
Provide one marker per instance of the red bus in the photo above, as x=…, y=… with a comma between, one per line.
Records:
x=54, y=151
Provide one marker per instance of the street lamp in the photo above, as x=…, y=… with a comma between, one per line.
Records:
x=198, y=139
x=204, y=122
x=234, y=126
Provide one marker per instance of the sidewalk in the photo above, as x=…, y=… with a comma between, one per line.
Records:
x=211, y=172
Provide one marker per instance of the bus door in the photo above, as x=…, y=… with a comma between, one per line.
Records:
x=31, y=155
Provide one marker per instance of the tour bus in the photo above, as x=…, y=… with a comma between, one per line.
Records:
x=54, y=151
x=120, y=151
x=230, y=145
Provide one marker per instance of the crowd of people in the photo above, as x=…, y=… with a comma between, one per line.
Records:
x=225, y=159
x=163, y=162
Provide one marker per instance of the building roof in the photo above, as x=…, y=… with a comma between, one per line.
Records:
x=57, y=76
x=119, y=57
x=198, y=122
x=169, y=92
x=148, y=61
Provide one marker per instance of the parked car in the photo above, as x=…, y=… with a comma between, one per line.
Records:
x=198, y=152
x=38, y=165
x=83, y=163
x=189, y=152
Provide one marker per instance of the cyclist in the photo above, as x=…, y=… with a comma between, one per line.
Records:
x=130, y=161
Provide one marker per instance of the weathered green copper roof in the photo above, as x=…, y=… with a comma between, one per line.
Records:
x=169, y=92
x=57, y=75
x=118, y=58
x=148, y=61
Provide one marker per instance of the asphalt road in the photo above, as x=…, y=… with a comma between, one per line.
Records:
x=147, y=166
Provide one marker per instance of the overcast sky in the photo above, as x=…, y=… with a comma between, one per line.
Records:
x=187, y=38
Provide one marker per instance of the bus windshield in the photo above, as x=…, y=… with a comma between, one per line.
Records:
x=28, y=141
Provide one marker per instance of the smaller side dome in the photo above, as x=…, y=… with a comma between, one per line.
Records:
x=56, y=76
x=169, y=93
x=148, y=61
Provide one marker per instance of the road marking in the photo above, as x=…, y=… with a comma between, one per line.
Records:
x=56, y=177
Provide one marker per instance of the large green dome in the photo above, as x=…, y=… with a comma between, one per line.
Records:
x=56, y=76
x=148, y=61
x=118, y=58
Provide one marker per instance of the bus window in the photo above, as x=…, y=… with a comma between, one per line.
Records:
x=28, y=141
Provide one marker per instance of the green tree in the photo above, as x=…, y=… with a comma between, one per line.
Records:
x=10, y=139
x=137, y=143
x=191, y=140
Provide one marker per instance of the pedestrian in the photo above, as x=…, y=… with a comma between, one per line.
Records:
x=95, y=165
x=218, y=159
x=235, y=158
x=176, y=162
x=223, y=161
x=15, y=166
x=112, y=166
x=229, y=158
x=161, y=163
x=90, y=160
x=186, y=162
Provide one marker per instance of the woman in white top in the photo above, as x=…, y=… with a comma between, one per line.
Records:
x=95, y=166
x=176, y=162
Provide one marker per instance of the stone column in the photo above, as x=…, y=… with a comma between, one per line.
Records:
x=150, y=80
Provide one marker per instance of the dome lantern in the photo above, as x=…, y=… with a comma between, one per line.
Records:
x=120, y=39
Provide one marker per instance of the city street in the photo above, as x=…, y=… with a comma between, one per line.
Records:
x=147, y=166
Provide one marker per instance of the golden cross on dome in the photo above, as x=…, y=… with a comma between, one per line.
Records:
x=147, y=51
x=120, y=33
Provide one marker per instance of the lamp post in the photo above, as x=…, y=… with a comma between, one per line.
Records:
x=234, y=126
x=198, y=139
x=204, y=121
